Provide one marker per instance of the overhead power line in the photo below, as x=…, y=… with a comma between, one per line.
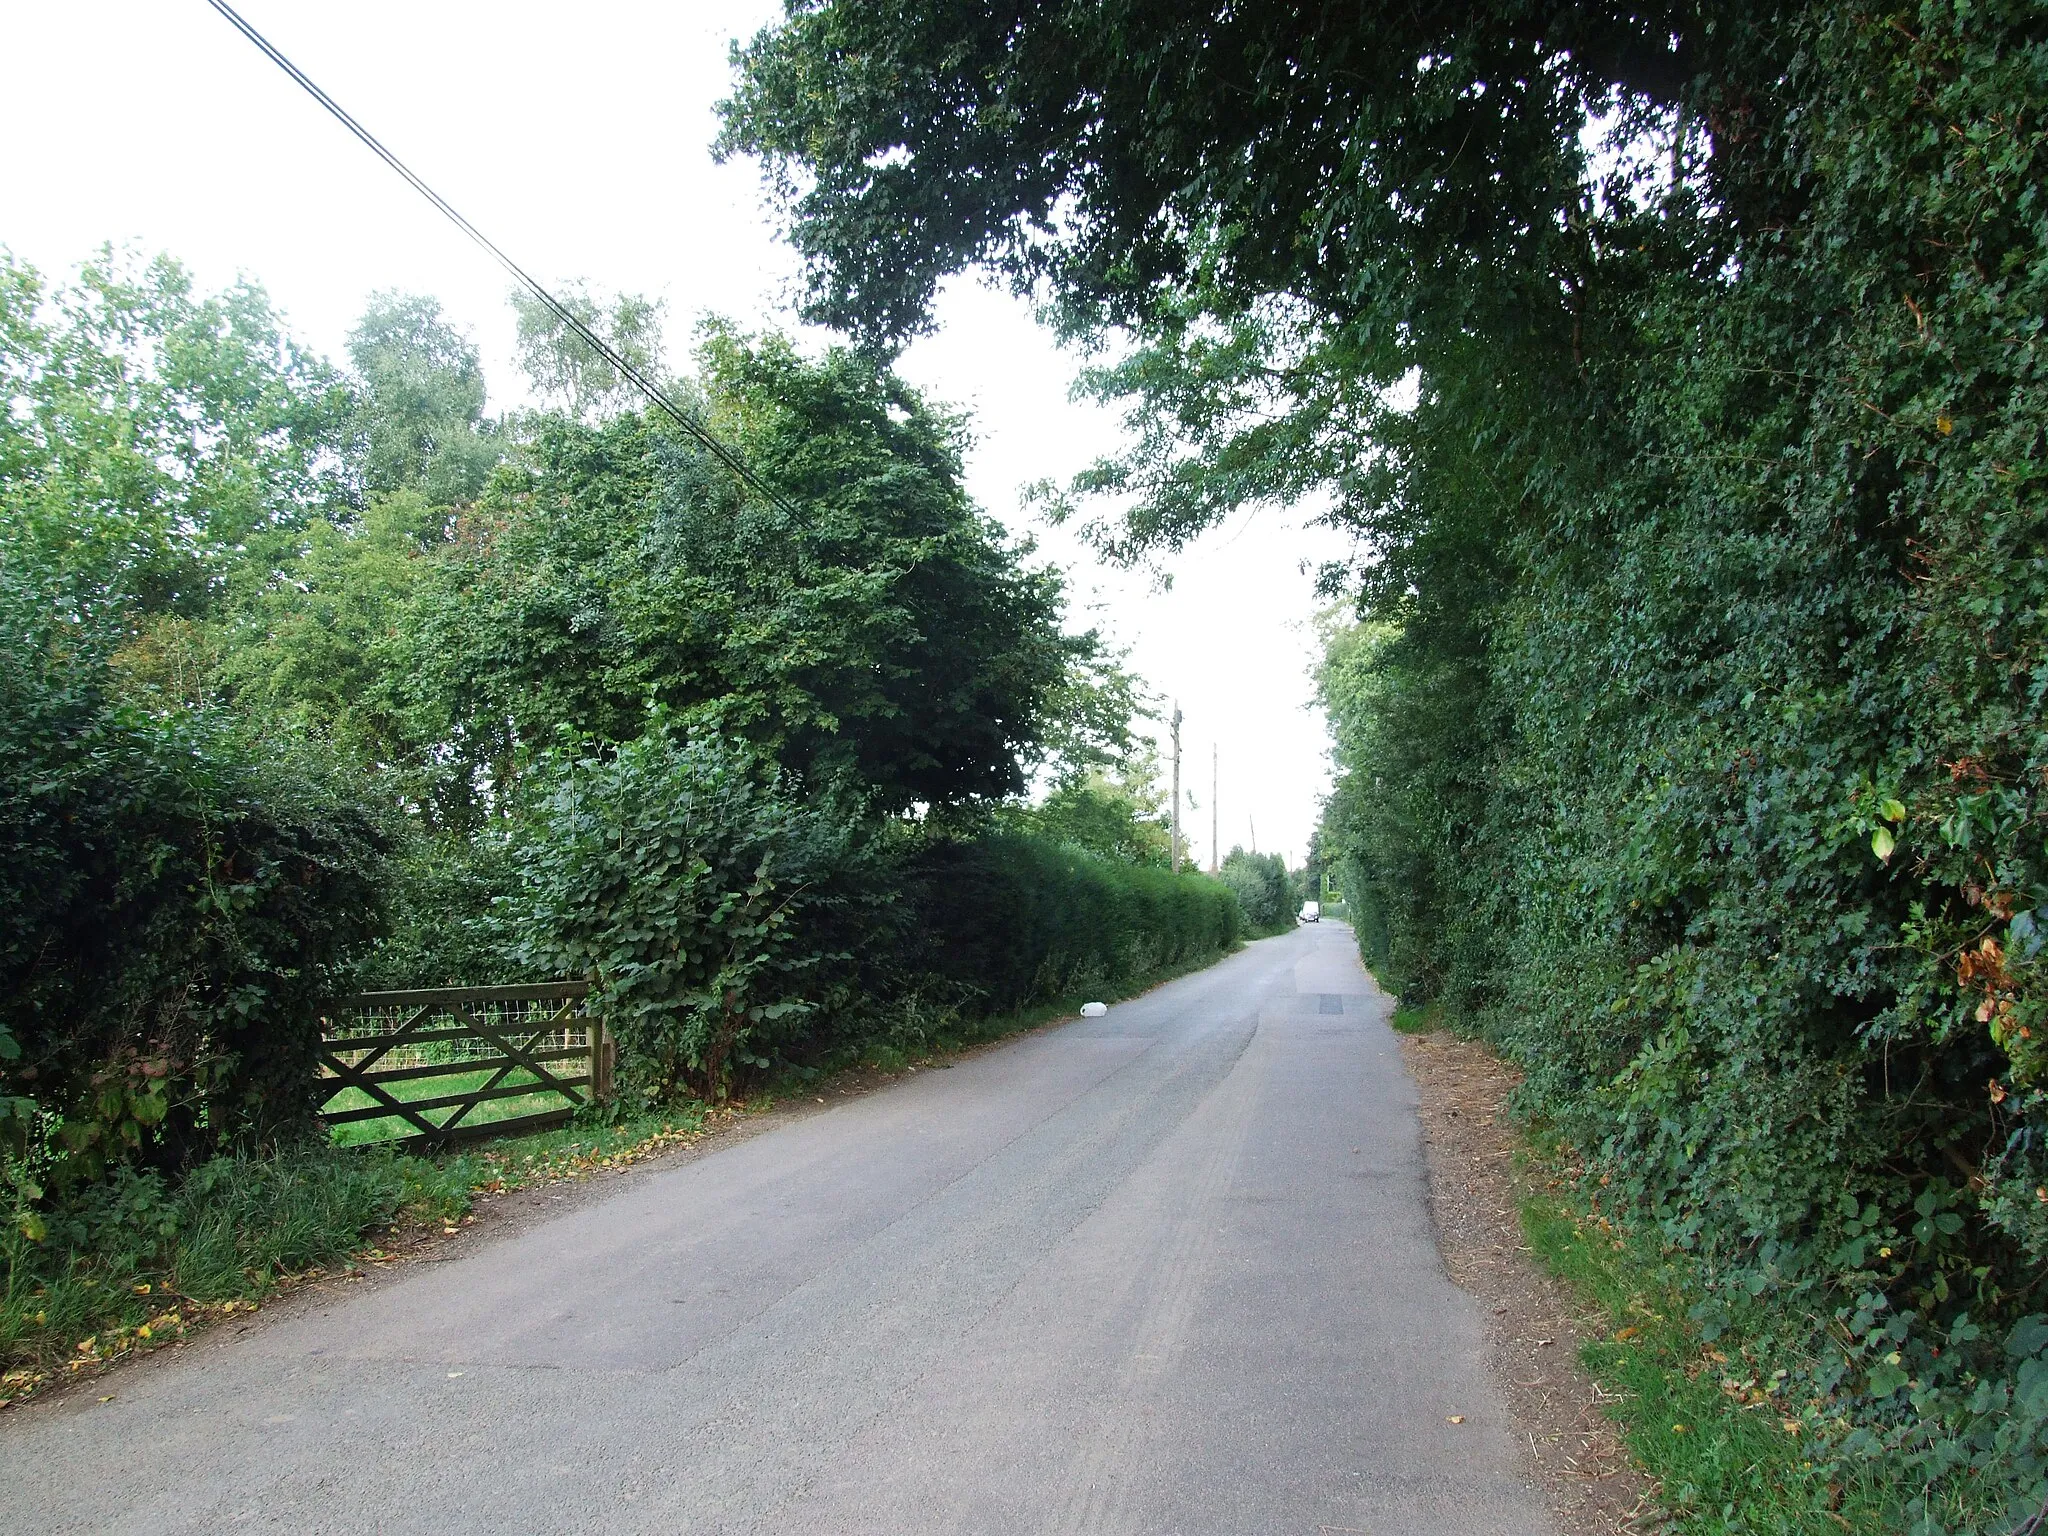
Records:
x=656, y=396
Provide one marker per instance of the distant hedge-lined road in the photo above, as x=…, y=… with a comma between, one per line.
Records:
x=1164, y=1273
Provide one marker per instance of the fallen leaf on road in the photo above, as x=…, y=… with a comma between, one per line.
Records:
x=1457, y=1418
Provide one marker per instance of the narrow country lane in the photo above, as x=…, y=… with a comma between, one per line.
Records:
x=1166, y=1273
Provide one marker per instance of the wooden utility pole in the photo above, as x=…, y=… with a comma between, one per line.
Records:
x=1176, y=786
x=1213, y=840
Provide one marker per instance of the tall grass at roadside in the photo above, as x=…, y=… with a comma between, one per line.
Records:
x=139, y=1258
x=1416, y=1019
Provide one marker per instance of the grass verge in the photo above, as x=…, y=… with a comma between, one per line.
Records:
x=1731, y=1452
x=1411, y=1019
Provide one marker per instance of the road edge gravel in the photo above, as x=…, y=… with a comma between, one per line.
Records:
x=1534, y=1325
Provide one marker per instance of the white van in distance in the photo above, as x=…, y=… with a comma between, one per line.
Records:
x=1311, y=912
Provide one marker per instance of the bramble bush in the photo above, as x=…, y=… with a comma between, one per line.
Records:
x=675, y=873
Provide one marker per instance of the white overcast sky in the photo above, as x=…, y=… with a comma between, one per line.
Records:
x=577, y=137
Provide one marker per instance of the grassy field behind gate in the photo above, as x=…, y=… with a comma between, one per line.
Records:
x=395, y=1127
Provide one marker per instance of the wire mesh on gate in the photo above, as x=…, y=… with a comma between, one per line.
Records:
x=357, y=1027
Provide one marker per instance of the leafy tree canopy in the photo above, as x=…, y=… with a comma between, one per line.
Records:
x=1283, y=210
x=1264, y=891
x=331, y=554
x=159, y=447
x=1120, y=815
x=886, y=634
x=423, y=402
x=1361, y=161
x=567, y=372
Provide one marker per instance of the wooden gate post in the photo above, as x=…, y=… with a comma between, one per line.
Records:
x=604, y=1056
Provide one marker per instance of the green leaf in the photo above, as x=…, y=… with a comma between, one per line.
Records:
x=1886, y=1379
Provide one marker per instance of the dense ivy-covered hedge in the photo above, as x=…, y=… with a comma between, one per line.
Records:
x=1724, y=817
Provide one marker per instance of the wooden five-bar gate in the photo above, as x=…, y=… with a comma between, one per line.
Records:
x=539, y=1041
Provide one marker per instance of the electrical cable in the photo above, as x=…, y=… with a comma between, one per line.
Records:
x=656, y=396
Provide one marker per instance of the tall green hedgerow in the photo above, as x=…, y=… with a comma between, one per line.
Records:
x=1009, y=919
x=175, y=903
x=1744, y=864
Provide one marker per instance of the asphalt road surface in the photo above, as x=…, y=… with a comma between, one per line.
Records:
x=1165, y=1273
